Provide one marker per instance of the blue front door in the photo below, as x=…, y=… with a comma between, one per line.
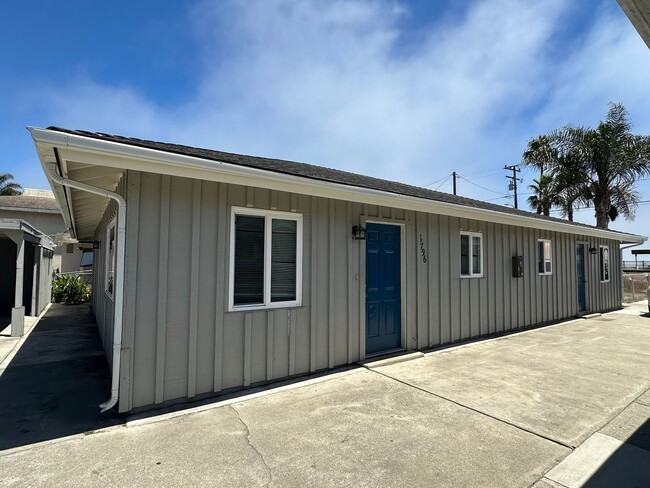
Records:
x=580, y=260
x=383, y=288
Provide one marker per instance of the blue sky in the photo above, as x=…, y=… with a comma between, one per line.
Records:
x=405, y=90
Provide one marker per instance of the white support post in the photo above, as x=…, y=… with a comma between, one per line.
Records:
x=18, y=312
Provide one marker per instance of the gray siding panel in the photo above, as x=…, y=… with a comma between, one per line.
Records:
x=180, y=340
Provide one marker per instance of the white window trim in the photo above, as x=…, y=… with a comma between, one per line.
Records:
x=268, y=215
x=600, y=263
x=545, y=273
x=107, y=256
x=472, y=274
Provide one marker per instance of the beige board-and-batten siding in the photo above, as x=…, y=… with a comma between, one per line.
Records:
x=180, y=340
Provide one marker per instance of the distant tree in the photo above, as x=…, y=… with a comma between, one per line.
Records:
x=610, y=159
x=590, y=166
x=8, y=187
x=544, y=195
x=542, y=153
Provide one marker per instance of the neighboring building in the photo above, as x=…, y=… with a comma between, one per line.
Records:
x=218, y=271
x=638, y=11
x=25, y=273
x=40, y=209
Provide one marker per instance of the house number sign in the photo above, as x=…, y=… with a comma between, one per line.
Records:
x=422, y=250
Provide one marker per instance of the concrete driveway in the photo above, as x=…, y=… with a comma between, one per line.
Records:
x=565, y=405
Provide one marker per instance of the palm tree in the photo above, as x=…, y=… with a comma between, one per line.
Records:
x=8, y=187
x=549, y=153
x=570, y=184
x=544, y=195
x=611, y=159
x=542, y=152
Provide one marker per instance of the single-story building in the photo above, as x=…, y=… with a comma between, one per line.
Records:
x=221, y=271
x=25, y=273
x=41, y=210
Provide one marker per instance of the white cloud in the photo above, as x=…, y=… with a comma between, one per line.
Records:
x=330, y=82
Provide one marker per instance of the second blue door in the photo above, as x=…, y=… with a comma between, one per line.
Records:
x=383, y=288
x=582, y=281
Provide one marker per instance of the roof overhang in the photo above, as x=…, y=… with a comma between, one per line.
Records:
x=71, y=150
x=26, y=231
x=31, y=210
x=81, y=210
x=638, y=11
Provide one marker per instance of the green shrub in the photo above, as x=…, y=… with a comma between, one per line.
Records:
x=70, y=289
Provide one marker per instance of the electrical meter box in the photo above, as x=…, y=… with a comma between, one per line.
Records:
x=517, y=266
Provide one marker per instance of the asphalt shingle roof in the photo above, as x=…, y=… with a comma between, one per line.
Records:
x=314, y=172
x=29, y=203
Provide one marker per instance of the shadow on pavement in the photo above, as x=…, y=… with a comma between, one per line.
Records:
x=53, y=386
x=628, y=466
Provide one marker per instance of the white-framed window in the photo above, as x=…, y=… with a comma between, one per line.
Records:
x=604, y=264
x=544, y=256
x=109, y=268
x=265, y=259
x=471, y=254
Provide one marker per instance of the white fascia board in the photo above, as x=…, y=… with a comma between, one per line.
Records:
x=87, y=150
x=46, y=156
x=31, y=210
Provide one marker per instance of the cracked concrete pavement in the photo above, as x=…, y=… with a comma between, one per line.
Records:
x=516, y=411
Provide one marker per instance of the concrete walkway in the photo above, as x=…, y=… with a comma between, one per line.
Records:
x=566, y=405
x=51, y=386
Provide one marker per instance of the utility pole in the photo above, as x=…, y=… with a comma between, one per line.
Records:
x=454, y=175
x=514, y=179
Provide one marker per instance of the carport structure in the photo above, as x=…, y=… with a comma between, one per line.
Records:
x=25, y=272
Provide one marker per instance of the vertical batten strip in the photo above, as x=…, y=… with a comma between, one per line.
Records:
x=434, y=324
x=250, y=196
x=248, y=332
x=313, y=287
x=220, y=285
x=269, y=345
x=350, y=284
x=332, y=257
x=291, y=326
x=131, y=268
x=162, y=287
x=194, y=286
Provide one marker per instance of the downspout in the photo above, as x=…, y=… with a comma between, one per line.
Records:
x=119, y=275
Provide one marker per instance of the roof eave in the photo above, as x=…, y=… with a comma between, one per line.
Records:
x=46, y=155
x=115, y=154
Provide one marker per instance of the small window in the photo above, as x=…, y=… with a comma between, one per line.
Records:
x=266, y=257
x=69, y=249
x=604, y=264
x=110, y=258
x=544, y=261
x=471, y=254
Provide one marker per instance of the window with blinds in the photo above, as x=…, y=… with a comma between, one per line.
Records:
x=265, y=259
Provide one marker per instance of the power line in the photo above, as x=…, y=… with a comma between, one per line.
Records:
x=431, y=184
x=482, y=187
x=436, y=189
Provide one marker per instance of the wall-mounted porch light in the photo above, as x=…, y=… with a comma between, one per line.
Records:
x=593, y=250
x=359, y=233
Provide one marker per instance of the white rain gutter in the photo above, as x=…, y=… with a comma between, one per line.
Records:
x=112, y=154
x=119, y=275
